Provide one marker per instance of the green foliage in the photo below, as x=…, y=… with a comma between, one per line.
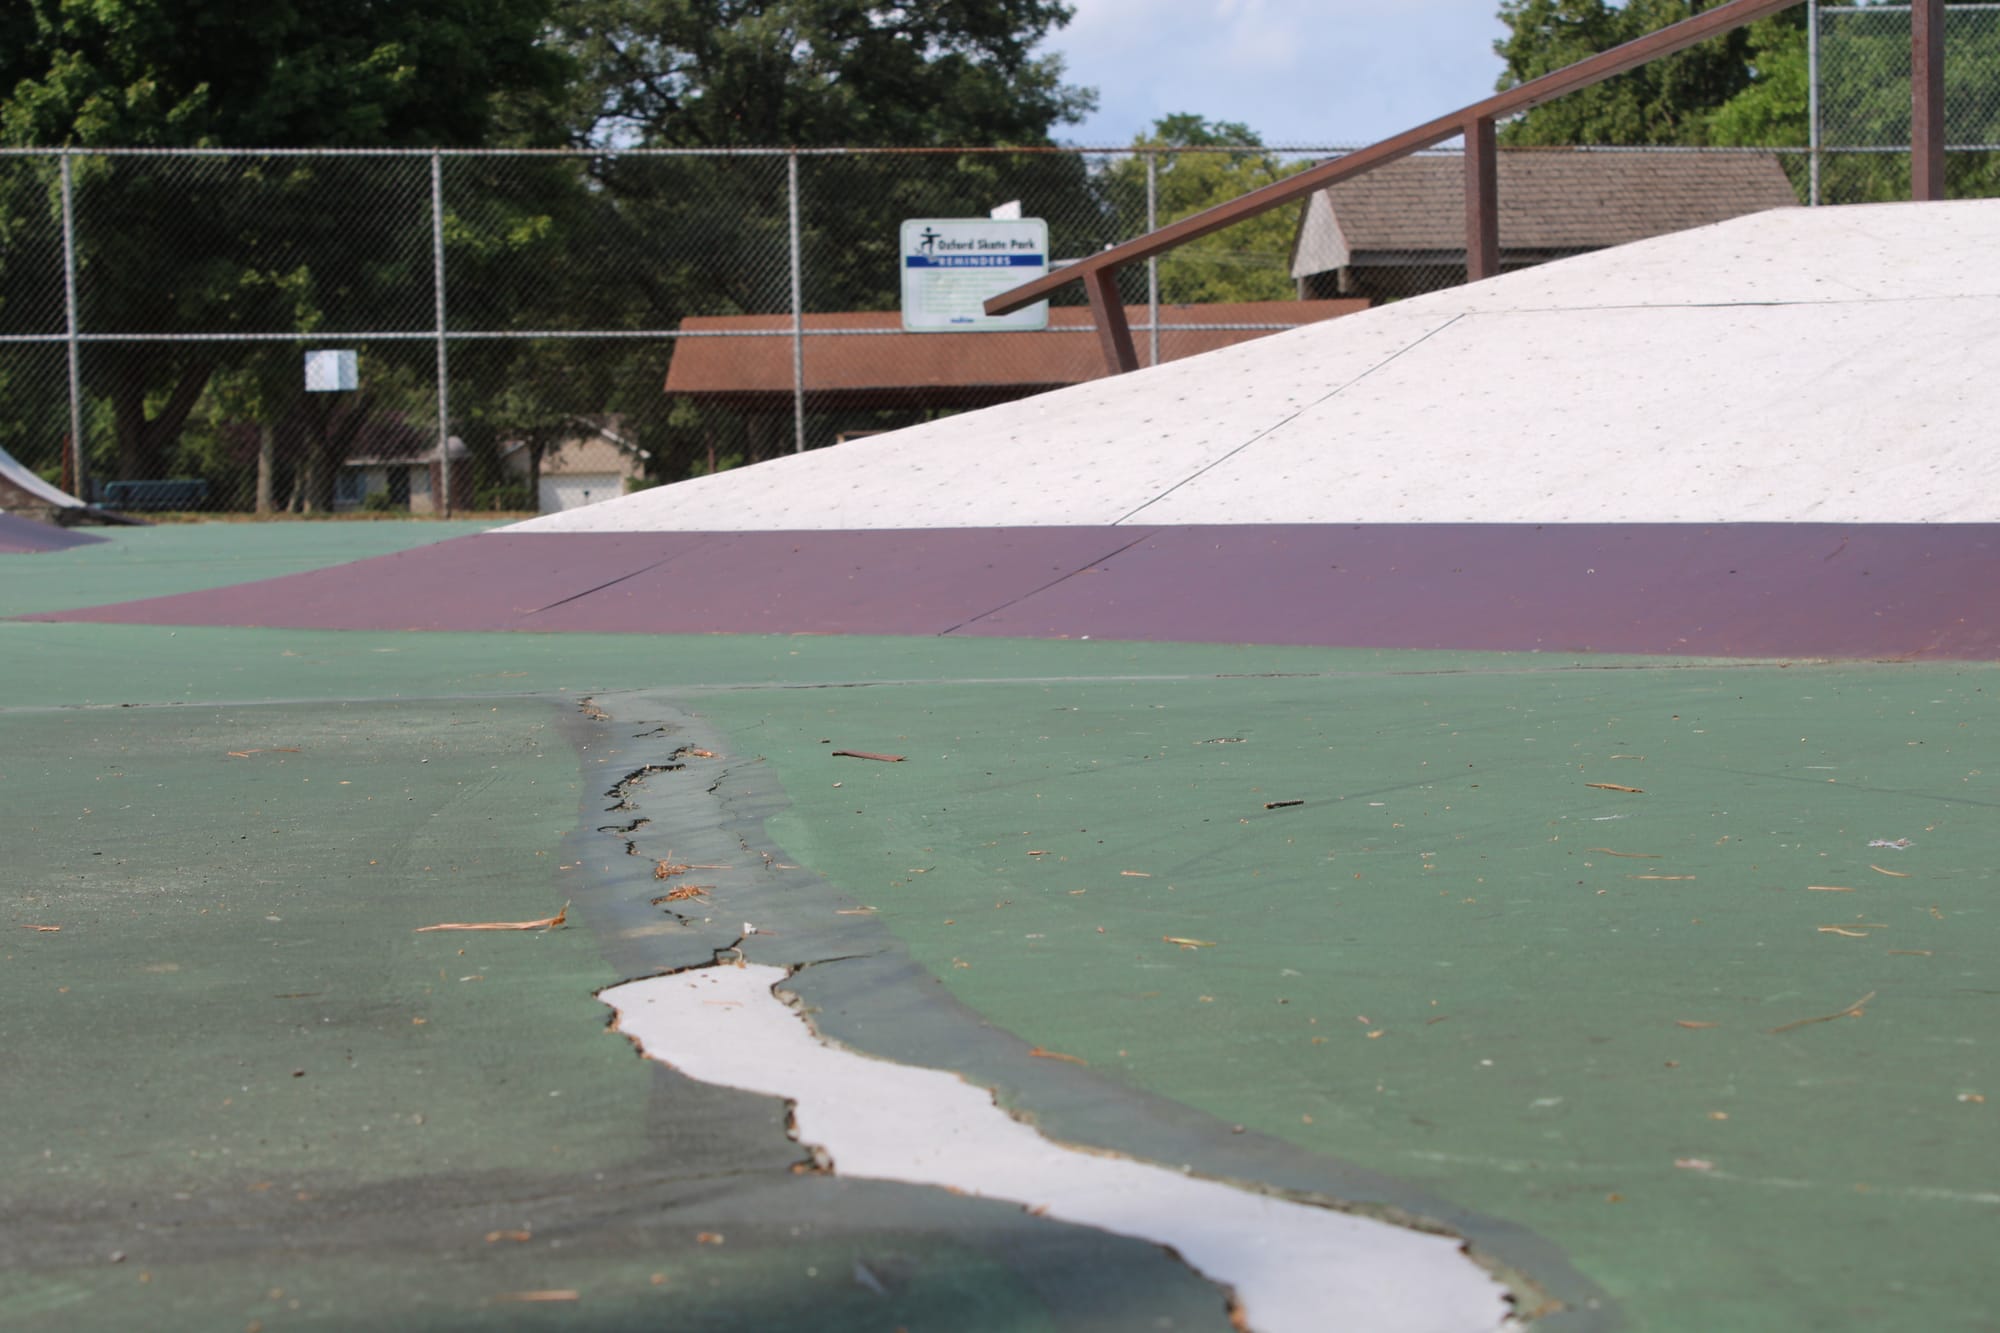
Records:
x=247, y=243
x=513, y=498
x=1247, y=262
x=1751, y=89
x=258, y=243
x=1672, y=100
x=319, y=73
x=803, y=73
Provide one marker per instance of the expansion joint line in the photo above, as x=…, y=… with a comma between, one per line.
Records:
x=1063, y=577
x=608, y=583
x=1328, y=396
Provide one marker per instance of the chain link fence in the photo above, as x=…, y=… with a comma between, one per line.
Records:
x=1859, y=88
x=537, y=330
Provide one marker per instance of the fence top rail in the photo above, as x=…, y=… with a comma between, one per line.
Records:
x=1068, y=150
x=1606, y=64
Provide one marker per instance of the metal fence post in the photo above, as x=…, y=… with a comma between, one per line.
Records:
x=1153, y=261
x=798, y=314
x=78, y=477
x=1812, y=101
x=443, y=367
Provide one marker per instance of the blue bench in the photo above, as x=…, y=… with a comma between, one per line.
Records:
x=175, y=493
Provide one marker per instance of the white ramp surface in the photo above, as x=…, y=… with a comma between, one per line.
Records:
x=1803, y=364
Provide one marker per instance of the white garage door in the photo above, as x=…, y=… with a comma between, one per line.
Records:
x=573, y=490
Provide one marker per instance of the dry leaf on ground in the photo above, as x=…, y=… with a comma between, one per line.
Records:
x=1041, y=1054
x=1851, y=1011
x=546, y=923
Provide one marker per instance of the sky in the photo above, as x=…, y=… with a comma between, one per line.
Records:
x=1333, y=73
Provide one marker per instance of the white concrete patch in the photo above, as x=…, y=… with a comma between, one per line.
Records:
x=1804, y=364
x=1292, y=1267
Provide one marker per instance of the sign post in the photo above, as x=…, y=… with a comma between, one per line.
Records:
x=951, y=265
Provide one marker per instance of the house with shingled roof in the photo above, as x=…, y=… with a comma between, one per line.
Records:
x=1399, y=231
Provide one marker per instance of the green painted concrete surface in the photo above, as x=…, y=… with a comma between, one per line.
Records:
x=1459, y=963
x=132, y=563
x=1456, y=963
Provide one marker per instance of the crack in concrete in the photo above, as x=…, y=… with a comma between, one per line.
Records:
x=621, y=791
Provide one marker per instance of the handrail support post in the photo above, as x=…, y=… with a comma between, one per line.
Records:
x=1482, y=200
x=1107, y=311
x=1927, y=99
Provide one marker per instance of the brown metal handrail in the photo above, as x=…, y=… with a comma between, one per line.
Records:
x=1098, y=272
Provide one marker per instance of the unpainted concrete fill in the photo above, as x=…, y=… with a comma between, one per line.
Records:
x=1291, y=1267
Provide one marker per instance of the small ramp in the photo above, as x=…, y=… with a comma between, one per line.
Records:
x=21, y=488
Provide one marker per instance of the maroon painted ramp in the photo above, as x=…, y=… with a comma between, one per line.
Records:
x=914, y=581
x=25, y=536
x=1727, y=590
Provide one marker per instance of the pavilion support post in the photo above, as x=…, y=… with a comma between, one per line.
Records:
x=1927, y=99
x=1107, y=311
x=1482, y=200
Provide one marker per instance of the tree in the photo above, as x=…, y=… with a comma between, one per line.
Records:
x=1751, y=89
x=1246, y=262
x=1673, y=100
x=804, y=73
x=809, y=74
x=249, y=243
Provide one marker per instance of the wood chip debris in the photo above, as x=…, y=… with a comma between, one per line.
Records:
x=1851, y=1011
x=1843, y=930
x=1899, y=874
x=1186, y=943
x=1280, y=805
x=668, y=869
x=1829, y=888
x=683, y=893
x=546, y=923
x=564, y=1294
x=517, y=1236
x=1636, y=856
x=1694, y=1023
x=863, y=754
x=1136, y=874
x=46, y=930
x=1041, y=1054
x=1613, y=786
x=1694, y=1164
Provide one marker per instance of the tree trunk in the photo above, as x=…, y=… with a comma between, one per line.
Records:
x=144, y=444
x=267, y=458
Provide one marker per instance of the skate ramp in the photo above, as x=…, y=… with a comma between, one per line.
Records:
x=1765, y=438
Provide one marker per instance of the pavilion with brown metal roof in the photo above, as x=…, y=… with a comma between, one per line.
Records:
x=864, y=359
